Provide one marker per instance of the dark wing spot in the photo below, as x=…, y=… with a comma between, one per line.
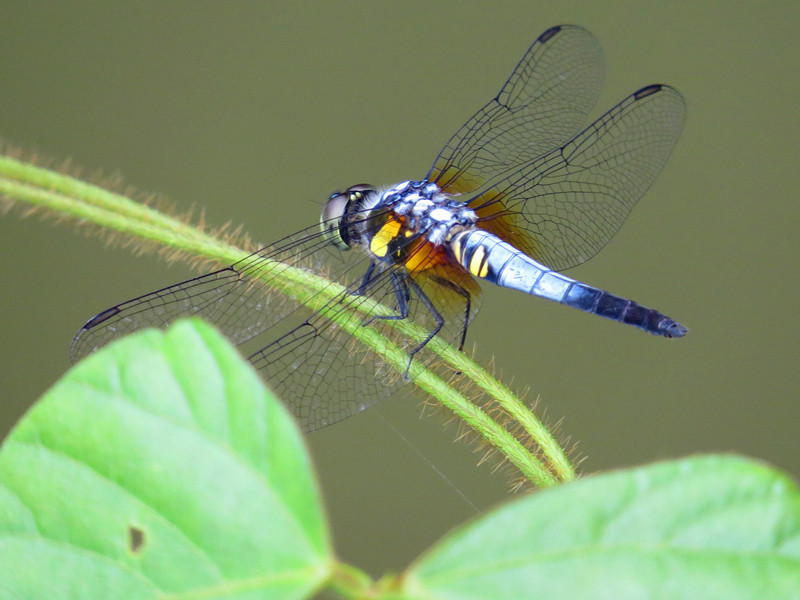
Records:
x=647, y=91
x=545, y=37
x=103, y=316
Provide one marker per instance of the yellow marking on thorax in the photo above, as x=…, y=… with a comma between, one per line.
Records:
x=379, y=245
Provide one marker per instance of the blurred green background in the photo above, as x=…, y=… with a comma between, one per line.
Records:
x=255, y=112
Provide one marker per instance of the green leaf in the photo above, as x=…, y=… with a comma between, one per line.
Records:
x=708, y=527
x=160, y=466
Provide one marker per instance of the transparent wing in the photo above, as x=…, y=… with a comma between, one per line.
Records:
x=564, y=207
x=316, y=366
x=233, y=298
x=545, y=102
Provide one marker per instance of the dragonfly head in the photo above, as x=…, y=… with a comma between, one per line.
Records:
x=341, y=205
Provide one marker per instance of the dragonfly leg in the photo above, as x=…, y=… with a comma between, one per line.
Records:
x=403, y=297
x=461, y=291
x=402, y=290
x=365, y=281
x=437, y=317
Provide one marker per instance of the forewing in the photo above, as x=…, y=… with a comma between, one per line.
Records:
x=565, y=206
x=235, y=299
x=545, y=102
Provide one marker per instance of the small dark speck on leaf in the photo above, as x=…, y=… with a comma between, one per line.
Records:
x=135, y=539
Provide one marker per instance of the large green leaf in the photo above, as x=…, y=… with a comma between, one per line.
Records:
x=709, y=527
x=160, y=466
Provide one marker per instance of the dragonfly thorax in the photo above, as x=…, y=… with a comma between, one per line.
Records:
x=386, y=221
x=426, y=210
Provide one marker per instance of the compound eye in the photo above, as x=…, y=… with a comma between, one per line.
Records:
x=331, y=219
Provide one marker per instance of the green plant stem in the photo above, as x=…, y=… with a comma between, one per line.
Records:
x=349, y=581
x=65, y=195
x=59, y=183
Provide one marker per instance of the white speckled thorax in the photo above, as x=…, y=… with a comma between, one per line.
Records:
x=427, y=209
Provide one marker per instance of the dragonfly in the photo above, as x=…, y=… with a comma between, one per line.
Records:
x=521, y=192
